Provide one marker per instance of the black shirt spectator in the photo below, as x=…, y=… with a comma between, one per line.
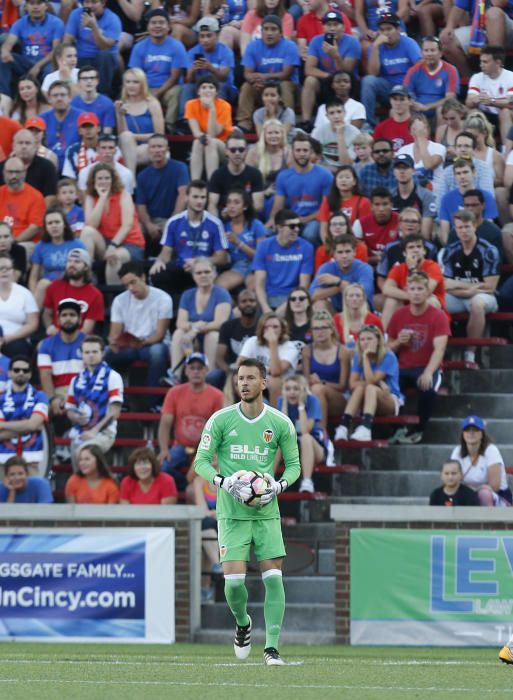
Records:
x=464, y=496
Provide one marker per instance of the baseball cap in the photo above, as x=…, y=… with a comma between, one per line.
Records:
x=80, y=254
x=70, y=303
x=208, y=24
x=404, y=159
x=399, y=90
x=157, y=12
x=332, y=16
x=35, y=123
x=272, y=19
x=389, y=18
x=197, y=357
x=473, y=422
x=88, y=118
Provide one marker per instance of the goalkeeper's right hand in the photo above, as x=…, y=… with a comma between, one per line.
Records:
x=239, y=490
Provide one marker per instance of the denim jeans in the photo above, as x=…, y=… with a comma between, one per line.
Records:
x=374, y=89
x=157, y=357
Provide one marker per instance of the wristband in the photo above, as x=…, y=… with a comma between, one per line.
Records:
x=218, y=481
x=116, y=245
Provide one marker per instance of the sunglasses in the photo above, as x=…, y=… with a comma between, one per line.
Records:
x=382, y=150
x=237, y=149
x=298, y=298
x=19, y=370
x=295, y=226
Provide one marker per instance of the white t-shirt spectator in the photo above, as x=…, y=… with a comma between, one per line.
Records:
x=352, y=109
x=434, y=176
x=140, y=316
x=475, y=475
x=499, y=87
x=327, y=137
x=14, y=310
x=52, y=77
x=287, y=352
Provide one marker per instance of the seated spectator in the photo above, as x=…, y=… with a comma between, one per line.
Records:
x=39, y=172
x=64, y=60
x=230, y=16
x=326, y=367
x=19, y=487
x=252, y=24
x=145, y=484
x=489, y=499
x=186, y=409
x=304, y=410
x=59, y=357
x=160, y=188
x=67, y=196
x=345, y=197
x=201, y=313
x=163, y=59
x=94, y=400
x=354, y=112
x=112, y=232
x=301, y=189
x=188, y=235
x=243, y=231
x=333, y=277
x=478, y=125
x=272, y=347
x=374, y=385
x=272, y=56
x=334, y=50
x=89, y=100
x=310, y=23
x=14, y=250
x=19, y=314
x=93, y=482
x=23, y=413
x=298, y=314
x=61, y=121
x=210, y=121
x=138, y=116
x=97, y=31
x=107, y=152
x=29, y=101
x=282, y=262
x=395, y=287
x=397, y=126
x=380, y=173
x=8, y=127
x=471, y=273
x=236, y=173
x=367, y=17
x=184, y=16
x=37, y=127
x=354, y=316
x=474, y=202
x=75, y=284
x=380, y=227
x=50, y=254
x=418, y=335
x=453, y=491
x=464, y=147
x=84, y=152
x=338, y=225
x=273, y=108
x=453, y=114
x=336, y=138
x=139, y=326
x=428, y=156
x=480, y=460
x=20, y=204
x=389, y=58
x=411, y=195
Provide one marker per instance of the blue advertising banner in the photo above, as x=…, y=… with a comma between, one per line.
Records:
x=111, y=584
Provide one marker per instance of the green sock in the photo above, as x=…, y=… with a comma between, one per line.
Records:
x=237, y=597
x=274, y=606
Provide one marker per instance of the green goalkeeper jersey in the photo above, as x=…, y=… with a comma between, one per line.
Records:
x=247, y=443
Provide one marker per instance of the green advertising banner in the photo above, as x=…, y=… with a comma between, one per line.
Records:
x=431, y=588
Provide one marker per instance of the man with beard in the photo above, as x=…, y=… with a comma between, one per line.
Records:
x=23, y=413
x=380, y=173
x=21, y=205
x=59, y=357
x=41, y=174
x=75, y=284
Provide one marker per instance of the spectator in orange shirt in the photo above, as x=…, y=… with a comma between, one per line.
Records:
x=8, y=127
x=21, y=205
x=210, y=120
x=394, y=289
x=93, y=483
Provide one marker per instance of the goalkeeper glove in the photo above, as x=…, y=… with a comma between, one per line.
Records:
x=275, y=488
x=239, y=490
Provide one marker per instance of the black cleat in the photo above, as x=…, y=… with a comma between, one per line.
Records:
x=242, y=643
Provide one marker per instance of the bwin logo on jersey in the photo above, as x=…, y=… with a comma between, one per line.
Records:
x=268, y=435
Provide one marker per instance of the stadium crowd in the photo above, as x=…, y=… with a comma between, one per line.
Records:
x=349, y=187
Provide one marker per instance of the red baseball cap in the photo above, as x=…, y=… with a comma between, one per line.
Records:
x=88, y=118
x=35, y=123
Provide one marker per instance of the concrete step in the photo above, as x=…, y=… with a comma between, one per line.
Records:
x=489, y=405
x=298, y=589
x=299, y=617
x=381, y=500
x=225, y=637
x=498, y=357
x=497, y=381
x=440, y=429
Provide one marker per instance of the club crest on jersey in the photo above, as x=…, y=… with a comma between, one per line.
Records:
x=268, y=435
x=205, y=441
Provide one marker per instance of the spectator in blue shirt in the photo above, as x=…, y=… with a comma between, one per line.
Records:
x=390, y=57
x=272, y=56
x=96, y=31
x=282, y=262
x=38, y=33
x=301, y=188
x=164, y=61
x=209, y=56
x=19, y=487
x=90, y=100
x=327, y=53
x=61, y=121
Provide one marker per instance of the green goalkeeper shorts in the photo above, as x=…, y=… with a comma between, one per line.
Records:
x=236, y=537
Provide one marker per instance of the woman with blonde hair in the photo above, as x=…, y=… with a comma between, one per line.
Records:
x=374, y=385
x=138, y=115
x=355, y=315
x=478, y=125
x=453, y=113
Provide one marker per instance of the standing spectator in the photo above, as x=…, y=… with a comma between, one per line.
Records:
x=93, y=481
x=397, y=126
x=186, y=409
x=107, y=152
x=282, y=262
x=139, y=326
x=380, y=173
x=453, y=491
x=96, y=31
x=75, y=284
x=235, y=174
x=23, y=414
x=418, y=335
x=94, y=400
x=301, y=189
x=19, y=315
x=21, y=205
x=380, y=227
x=91, y=101
x=19, y=487
x=61, y=121
x=145, y=484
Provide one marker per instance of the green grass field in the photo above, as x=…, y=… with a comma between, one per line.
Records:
x=186, y=671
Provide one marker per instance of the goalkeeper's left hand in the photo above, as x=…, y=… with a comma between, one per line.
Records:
x=275, y=488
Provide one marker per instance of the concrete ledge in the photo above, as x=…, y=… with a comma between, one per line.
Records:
x=419, y=514
x=112, y=513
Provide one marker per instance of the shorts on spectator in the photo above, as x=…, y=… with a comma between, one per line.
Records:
x=398, y=403
x=102, y=440
x=456, y=305
x=136, y=253
x=243, y=267
x=463, y=34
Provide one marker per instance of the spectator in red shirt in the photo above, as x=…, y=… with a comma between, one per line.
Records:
x=145, y=484
x=397, y=126
x=380, y=227
x=75, y=284
x=8, y=127
x=310, y=24
x=418, y=335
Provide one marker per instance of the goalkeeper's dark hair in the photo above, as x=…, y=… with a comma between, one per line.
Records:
x=250, y=362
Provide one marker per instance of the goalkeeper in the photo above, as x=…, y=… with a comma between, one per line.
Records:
x=247, y=436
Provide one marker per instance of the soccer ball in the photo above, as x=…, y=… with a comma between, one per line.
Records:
x=259, y=485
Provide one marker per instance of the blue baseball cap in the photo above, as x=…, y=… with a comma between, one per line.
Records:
x=197, y=357
x=473, y=422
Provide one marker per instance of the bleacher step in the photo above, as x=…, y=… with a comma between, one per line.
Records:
x=300, y=617
x=287, y=637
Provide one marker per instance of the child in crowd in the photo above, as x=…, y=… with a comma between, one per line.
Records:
x=67, y=196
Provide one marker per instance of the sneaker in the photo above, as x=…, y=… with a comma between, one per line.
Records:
x=469, y=356
x=410, y=438
x=506, y=655
x=362, y=434
x=306, y=486
x=242, y=643
x=398, y=436
x=330, y=455
x=170, y=379
x=272, y=657
x=207, y=596
x=341, y=433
